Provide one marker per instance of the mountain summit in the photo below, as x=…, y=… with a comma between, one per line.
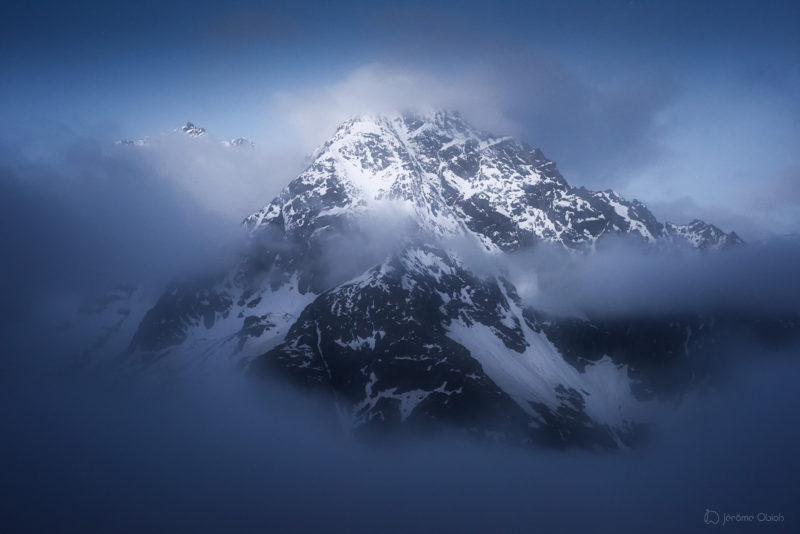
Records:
x=456, y=180
x=190, y=129
x=408, y=334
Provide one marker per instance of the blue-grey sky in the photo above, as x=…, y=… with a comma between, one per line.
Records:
x=690, y=106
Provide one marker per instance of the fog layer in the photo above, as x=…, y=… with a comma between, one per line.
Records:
x=86, y=450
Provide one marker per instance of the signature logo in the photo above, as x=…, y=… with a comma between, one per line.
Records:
x=711, y=517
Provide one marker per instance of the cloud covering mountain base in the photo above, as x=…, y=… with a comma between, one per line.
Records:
x=84, y=452
x=92, y=448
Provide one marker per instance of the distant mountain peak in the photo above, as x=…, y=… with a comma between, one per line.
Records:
x=132, y=142
x=702, y=235
x=190, y=129
x=239, y=142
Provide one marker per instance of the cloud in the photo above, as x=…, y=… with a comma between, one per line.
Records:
x=88, y=215
x=776, y=203
x=596, y=132
x=228, y=181
x=757, y=206
x=209, y=453
x=731, y=149
x=622, y=280
x=314, y=112
x=659, y=134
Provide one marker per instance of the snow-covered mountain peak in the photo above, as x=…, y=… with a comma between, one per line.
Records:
x=190, y=129
x=458, y=180
x=701, y=235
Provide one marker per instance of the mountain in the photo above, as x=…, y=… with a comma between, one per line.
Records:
x=456, y=180
x=701, y=235
x=191, y=130
x=133, y=142
x=404, y=331
x=239, y=142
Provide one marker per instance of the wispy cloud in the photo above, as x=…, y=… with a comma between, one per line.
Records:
x=595, y=131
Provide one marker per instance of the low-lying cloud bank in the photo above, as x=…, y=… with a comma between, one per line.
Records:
x=623, y=279
x=87, y=450
x=84, y=215
x=83, y=452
